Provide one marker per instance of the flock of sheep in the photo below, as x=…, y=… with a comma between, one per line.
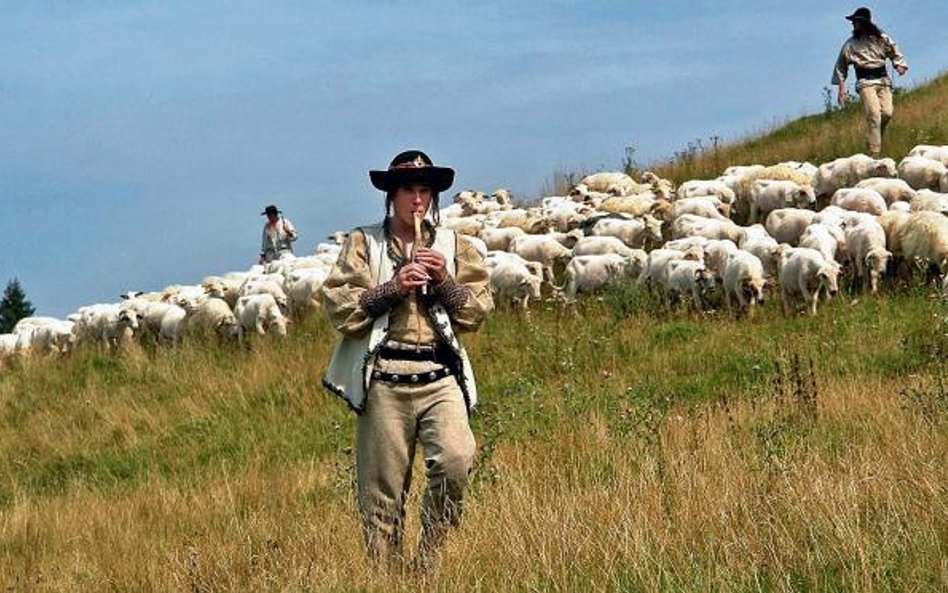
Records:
x=795, y=226
x=262, y=300
x=791, y=227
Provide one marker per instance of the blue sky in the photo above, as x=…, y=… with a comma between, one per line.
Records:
x=140, y=140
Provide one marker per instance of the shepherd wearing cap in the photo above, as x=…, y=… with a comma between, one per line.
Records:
x=400, y=293
x=278, y=235
x=867, y=50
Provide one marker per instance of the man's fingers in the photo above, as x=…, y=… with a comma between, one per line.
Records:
x=430, y=262
x=414, y=274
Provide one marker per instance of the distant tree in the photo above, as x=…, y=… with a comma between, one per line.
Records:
x=13, y=306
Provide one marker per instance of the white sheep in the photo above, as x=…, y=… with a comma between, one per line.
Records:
x=110, y=325
x=924, y=237
x=46, y=334
x=937, y=153
x=848, y=171
x=213, y=316
x=706, y=206
x=302, y=290
x=743, y=280
x=689, y=225
x=260, y=314
x=542, y=249
x=767, y=195
x=171, y=324
x=499, y=238
x=613, y=182
x=637, y=205
x=786, y=225
x=266, y=285
x=687, y=243
x=823, y=238
x=589, y=273
x=706, y=187
x=867, y=250
x=716, y=254
x=900, y=207
x=512, y=282
x=922, y=173
x=635, y=233
x=769, y=252
x=688, y=278
x=930, y=201
x=859, y=200
x=496, y=258
x=8, y=347
x=656, y=268
x=892, y=190
x=805, y=272
x=892, y=223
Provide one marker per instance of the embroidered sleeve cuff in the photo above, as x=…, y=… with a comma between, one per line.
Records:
x=452, y=295
x=380, y=299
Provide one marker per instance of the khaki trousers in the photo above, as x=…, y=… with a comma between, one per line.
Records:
x=877, y=104
x=396, y=417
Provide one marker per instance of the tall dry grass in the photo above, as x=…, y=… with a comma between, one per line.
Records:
x=722, y=498
x=620, y=450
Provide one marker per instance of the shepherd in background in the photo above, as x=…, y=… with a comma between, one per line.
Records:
x=278, y=235
x=867, y=50
x=401, y=292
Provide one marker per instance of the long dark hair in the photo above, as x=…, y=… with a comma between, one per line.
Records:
x=435, y=210
x=868, y=29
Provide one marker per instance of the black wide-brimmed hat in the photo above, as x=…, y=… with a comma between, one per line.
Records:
x=861, y=14
x=412, y=166
x=271, y=209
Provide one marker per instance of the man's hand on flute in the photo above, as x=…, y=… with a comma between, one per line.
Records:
x=411, y=276
x=433, y=263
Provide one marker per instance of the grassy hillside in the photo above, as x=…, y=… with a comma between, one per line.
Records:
x=921, y=117
x=625, y=448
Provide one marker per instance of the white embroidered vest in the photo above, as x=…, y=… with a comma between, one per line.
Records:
x=350, y=368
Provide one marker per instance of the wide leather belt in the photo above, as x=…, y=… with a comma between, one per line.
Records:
x=864, y=73
x=412, y=378
x=425, y=354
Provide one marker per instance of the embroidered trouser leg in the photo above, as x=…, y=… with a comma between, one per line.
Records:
x=396, y=417
x=877, y=104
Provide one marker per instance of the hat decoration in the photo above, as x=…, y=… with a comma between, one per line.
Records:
x=411, y=167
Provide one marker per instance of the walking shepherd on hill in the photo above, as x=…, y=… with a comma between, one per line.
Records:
x=400, y=293
x=867, y=50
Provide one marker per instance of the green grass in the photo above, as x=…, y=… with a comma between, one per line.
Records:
x=920, y=118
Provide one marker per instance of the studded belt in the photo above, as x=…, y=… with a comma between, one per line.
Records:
x=416, y=378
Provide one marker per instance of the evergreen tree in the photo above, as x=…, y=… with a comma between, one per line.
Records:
x=13, y=306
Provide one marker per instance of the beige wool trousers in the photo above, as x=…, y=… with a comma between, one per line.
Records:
x=877, y=104
x=398, y=416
